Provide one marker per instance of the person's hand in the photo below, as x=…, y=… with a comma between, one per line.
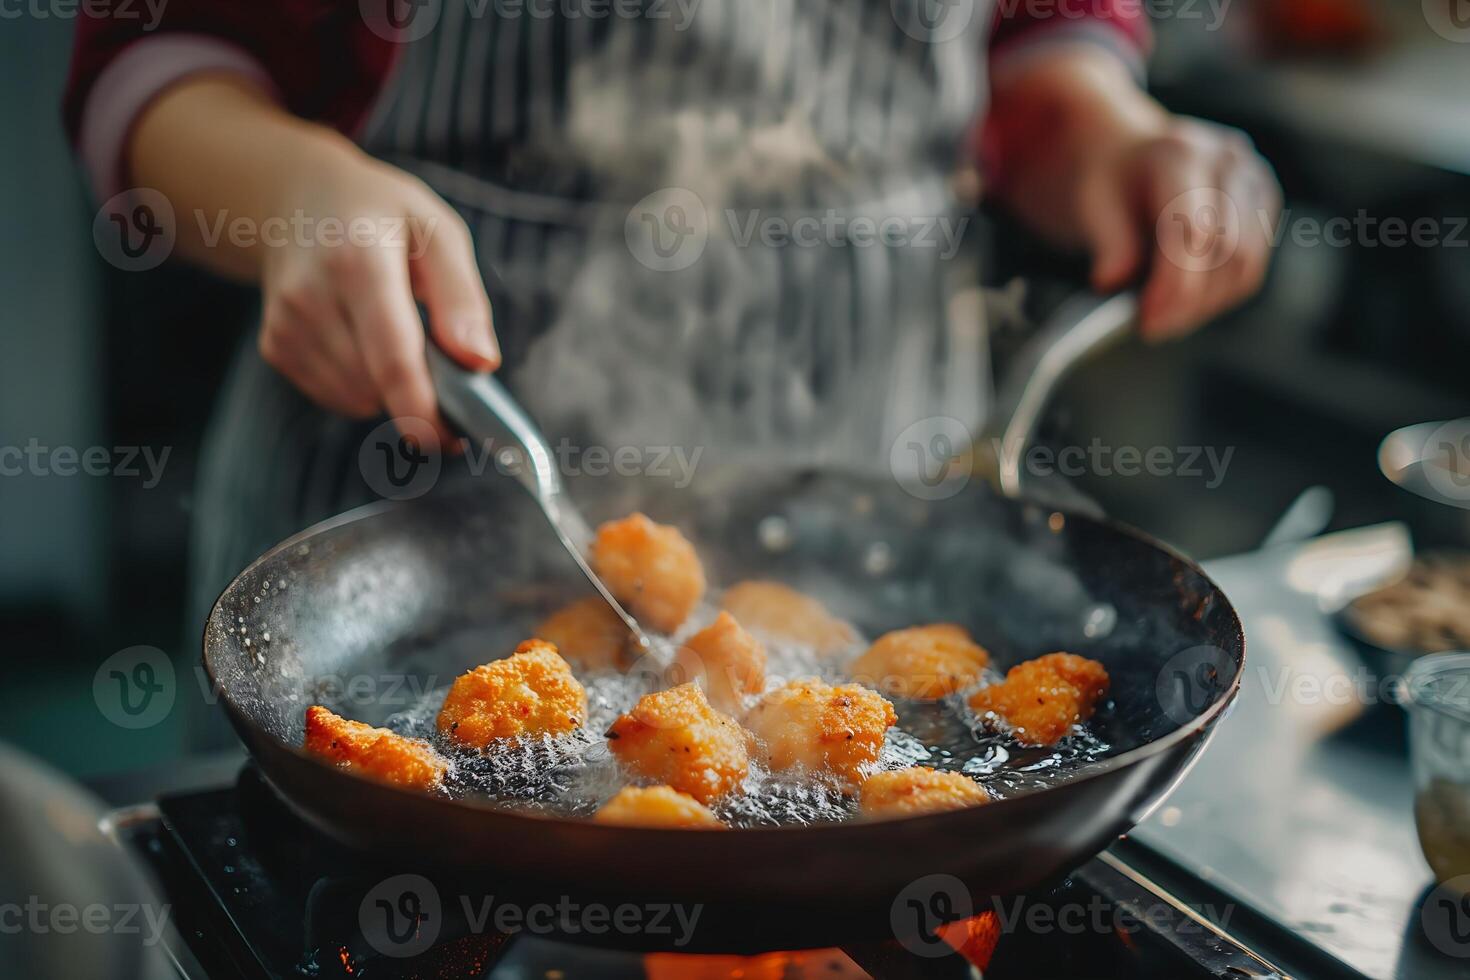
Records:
x=340, y=319
x=343, y=246
x=1189, y=212
x=1184, y=208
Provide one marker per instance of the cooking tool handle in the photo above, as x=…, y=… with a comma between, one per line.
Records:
x=480, y=405
x=1083, y=326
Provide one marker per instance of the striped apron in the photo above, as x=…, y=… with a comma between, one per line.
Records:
x=723, y=225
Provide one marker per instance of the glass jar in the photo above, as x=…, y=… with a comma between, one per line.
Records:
x=1436, y=694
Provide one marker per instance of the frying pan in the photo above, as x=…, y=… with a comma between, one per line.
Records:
x=423, y=590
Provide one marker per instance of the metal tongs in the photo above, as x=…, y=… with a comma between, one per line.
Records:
x=480, y=405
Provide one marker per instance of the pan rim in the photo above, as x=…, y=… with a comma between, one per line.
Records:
x=1197, y=726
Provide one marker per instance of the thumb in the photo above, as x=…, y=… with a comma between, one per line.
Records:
x=1111, y=236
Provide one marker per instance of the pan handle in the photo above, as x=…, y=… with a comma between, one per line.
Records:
x=1082, y=327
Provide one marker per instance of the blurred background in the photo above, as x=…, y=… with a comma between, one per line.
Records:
x=1360, y=105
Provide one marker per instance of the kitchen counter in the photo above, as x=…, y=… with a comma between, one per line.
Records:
x=193, y=772
x=1301, y=807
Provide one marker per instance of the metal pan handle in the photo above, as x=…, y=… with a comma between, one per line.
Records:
x=1082, y=327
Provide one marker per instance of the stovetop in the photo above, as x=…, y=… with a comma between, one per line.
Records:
x=256, y=893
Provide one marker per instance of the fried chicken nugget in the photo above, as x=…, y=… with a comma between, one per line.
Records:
x=588, y=633
x=783, y=613
x=655, y=806
x=1042, y=699
x=813, y=725
x=531, y=692
x=385, y=756
x=922, y=662
x=919, y=789
x=675, y=737
x=651, y=568
x=726, y=661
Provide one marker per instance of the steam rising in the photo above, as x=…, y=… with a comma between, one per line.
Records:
x=764, y=110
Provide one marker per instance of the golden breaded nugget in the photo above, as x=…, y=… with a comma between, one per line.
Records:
x=675, y=737
x=816, y=726
x=588, y=633
x=919, y=789
x=1088, y=676
x=781, y=612
x=655, y=806
x=651, y=568
x=726, y=661
x=531, y=692
x=385, y=756
x=922, y=662
x=1042, y=699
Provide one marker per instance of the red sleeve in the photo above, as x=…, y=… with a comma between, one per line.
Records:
x=320, y=56
x=1119, y=24
x=1023, y=27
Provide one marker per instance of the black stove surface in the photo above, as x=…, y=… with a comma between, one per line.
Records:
x=255, y=893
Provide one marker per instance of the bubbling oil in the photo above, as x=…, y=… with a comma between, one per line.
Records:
x=572, y=775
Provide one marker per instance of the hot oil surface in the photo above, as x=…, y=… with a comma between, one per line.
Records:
x=574, y=774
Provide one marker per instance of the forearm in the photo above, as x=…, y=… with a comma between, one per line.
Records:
x=1056, y=118
x=339, y=310
x=221, y=151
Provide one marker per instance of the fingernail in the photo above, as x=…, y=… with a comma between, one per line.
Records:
x=477, y=341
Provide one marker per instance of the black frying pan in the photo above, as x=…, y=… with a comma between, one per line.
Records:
x=425, y=590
